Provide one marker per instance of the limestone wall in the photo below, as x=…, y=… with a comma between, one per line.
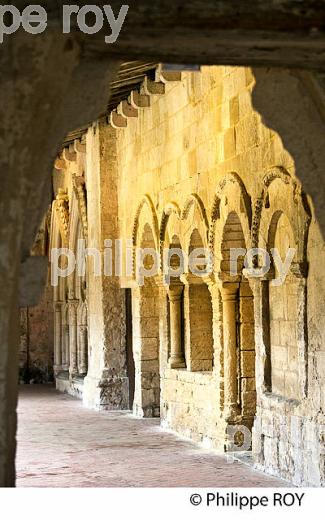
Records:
x=202, y=140
x=195, y=167
x=189, y=405
x=36, y=323
x=36, y=341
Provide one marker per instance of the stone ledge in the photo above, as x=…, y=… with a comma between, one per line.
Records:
x=185, y=376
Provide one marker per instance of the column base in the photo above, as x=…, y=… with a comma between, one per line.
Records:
x=66, y=384
x=73, y=374
x=106, y=393
x=176, y=363
x=231, y=413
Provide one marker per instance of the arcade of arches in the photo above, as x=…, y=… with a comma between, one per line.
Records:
x=186, y=163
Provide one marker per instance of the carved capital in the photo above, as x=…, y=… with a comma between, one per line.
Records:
x=175, y=291
x=57, y=306
x=62, y=209
x=79, y=186
x=229, y=291
x=72, y=309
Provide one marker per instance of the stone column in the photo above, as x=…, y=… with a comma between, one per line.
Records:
x=73, y=368
x=176, y=354
x=83, y=350
x=260, y=290
x=217, y=326
x=57, y=336
x=229, y=299
x=66, y=346
x=64, y=325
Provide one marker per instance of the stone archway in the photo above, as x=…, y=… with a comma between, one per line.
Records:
x=282, y=221
x=238, y=329
x=233, y=302
x=145, y=326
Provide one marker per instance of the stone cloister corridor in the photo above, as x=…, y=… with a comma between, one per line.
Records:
x=184, y=283
x=162, y=252
x=185, y=272
x=62, y=444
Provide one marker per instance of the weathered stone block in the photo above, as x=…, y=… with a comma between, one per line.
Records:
x=247, y=336
x=247, y=363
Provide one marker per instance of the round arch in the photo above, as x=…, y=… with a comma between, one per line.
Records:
x=231, y=198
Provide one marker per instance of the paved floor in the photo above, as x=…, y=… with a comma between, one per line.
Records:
x=62, y=444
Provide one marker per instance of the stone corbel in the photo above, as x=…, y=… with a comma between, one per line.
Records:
x=153, y=87
x=179, y=67
x=69, y=154
x=126, y=110
x=117, y=121
x=167, y=76
x=60, y=164
x=79, y=147
x=138, y=100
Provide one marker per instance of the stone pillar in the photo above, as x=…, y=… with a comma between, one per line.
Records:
x=106, y=384
x=260, y=290
x=73, y=346
x=217, y=326
x=83, y=350
x=145, y=325
x=64, y=337
x=176, y=353
x=57, y=336
x=21, y=181
x=66, y=346
x=229, y=301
